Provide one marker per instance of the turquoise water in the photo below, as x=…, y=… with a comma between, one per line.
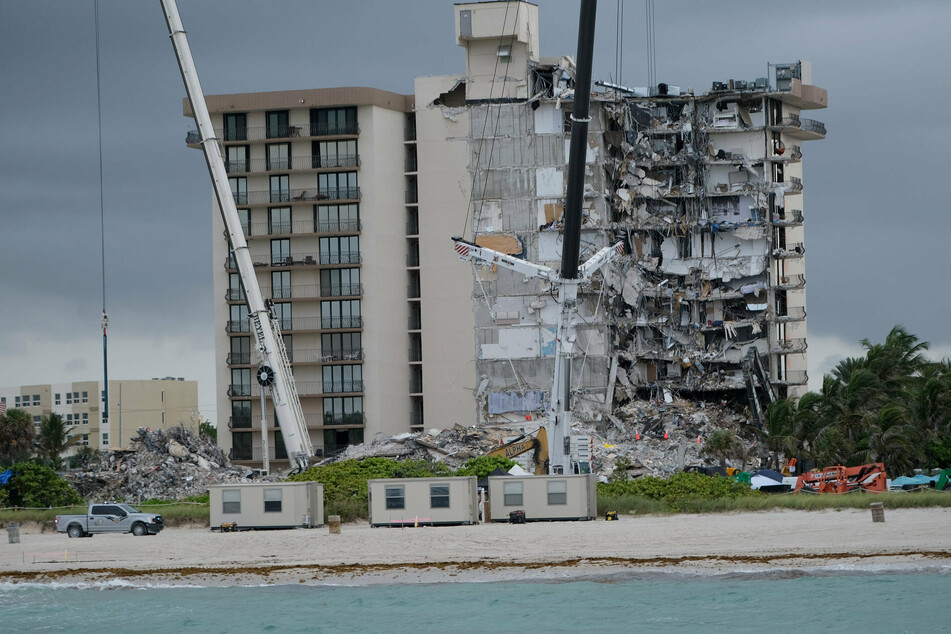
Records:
x=841, y=603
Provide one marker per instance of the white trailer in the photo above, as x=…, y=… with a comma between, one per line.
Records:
x=267, y=505
x=543, y=498
x=424, y=501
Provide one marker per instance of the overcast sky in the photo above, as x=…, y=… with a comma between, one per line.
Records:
x=877, y=212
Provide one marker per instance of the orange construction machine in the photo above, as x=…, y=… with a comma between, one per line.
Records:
x=839, y=479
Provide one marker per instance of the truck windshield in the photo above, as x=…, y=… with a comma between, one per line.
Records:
x=127, y=508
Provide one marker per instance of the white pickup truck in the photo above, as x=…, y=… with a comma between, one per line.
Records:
x=109, y=518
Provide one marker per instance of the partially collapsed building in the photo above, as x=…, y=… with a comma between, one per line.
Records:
x=705, y=190
x=349, y=196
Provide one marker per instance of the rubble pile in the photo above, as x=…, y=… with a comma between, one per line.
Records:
x=167, y=464
x=635, y=432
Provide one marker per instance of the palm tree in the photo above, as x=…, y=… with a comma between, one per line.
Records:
x=890, y=440
x=16, y=436
x=779, y=429
x=54, y=438
x=896, y=361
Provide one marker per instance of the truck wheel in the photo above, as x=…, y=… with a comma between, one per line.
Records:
x=139, y=529
x=74, y=530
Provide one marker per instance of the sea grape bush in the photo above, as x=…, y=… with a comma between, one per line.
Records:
x=678, y=490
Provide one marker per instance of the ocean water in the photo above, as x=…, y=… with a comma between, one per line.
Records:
x=826, y=601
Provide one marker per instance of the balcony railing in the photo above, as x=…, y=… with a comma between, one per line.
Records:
x=811, y=125
x=793, y=313
x=239, y=389
x=239, y=358
x=192, y=137
x=334, y=420
x=412, y=291
x=341, y=290
x=265, y=197
x=332, y=323
x=337, y=226
x=416, y=419
x=792, y=345
x=415, y=354
x=254, y=454
x=791, y=121
x=299, y=226
x=335, y=129
x=412, y=196
x=416, y=386
x=791, y=250
x=341, y=354
x=260, y=133
x=241, y=325
x=314, y=161
x=415, y=322
x=793, y=184
x=239, y=422
x=412, y=227
x=234, y=294
x=791, y=217
x=793, y=377
x=412, y=258
x=340, y=257
x=792, y=281
x=410, y=164
x=342, y=387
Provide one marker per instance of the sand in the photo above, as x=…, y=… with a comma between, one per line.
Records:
x=783, y=542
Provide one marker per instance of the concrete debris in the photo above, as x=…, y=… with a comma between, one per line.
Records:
x=167, y=464
x=635, y=431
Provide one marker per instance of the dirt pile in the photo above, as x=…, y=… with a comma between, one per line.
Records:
x=167, y=464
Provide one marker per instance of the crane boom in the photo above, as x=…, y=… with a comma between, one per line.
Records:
x=275, y=370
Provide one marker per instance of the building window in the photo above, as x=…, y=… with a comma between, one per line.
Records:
x=236, y=127
x=36, y=400
x=343, y=410
x=277, y=124
x=56, y=398
x=240, y=382
x=281, y=252
x=163, y=418
x=337, y=185
x=395, y=496
x=69, y=418
x=283, y=314
x=512, y=492
x=338, y=218
x=340, y=250
x=16, y=401
x=278, y=156
x=231, y=500
x=85, y=441
x=327, y=121
x=272, y=500
x=279, y=220
x=37, y=420
x=239, y=319
x=241, y=445
x=280, y=284
x=335, y=153
x=240, y=414
x=340, y=314
x=85, y=418
x=439, y=496
x=337, y=282
x=237, y=159
x=557, y=492
x=240, y=351
x=85, y=397
x=244, y=217
x=239, y=189
x=105, y=439
x=341, y=346
x=280, y=188
x=342, y=378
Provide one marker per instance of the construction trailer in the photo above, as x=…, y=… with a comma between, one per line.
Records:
x=423, y=501
x=267, y=505
x=543, y=498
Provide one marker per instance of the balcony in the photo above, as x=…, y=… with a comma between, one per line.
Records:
x=192, y=137
x=792, y=377
x=341, y=354
x=790, y=251
x=356, y=419
x=294, y=163
x=235, y=294
x=791, y=282
x=793, y=185
x=338, y=226
x=416, y=419
x=791, y=218
x=254, y=454
x=793, y=313
x=792, y=345
x=790, y=154
x=308, y=194
x=412, y=196
x=416, y=386
x=409, y=165
x=806, y=129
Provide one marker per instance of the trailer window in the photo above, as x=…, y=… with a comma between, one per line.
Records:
x=513, y=493
x=272, y=500
x=439, y=496
x=557, y=492
x=395, y=497
x=231, y=501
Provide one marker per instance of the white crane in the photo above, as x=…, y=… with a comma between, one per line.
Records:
x=275, y=370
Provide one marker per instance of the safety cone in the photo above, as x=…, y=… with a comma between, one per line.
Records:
x=637, y=435
x=698, y=440
x=666, y=435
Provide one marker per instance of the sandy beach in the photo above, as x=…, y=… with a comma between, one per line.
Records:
x=776, y=541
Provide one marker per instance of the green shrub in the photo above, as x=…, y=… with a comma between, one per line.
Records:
x=482, y=466
x=677, y=492
x=38, y=486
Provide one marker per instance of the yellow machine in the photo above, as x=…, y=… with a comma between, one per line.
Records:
x=522, y=444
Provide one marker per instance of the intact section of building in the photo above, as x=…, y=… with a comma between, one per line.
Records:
x=706, y=192
x=154, y=404
x=326, y=184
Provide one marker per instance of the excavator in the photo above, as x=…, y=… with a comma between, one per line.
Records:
x=525, y=443
x=839, y=479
